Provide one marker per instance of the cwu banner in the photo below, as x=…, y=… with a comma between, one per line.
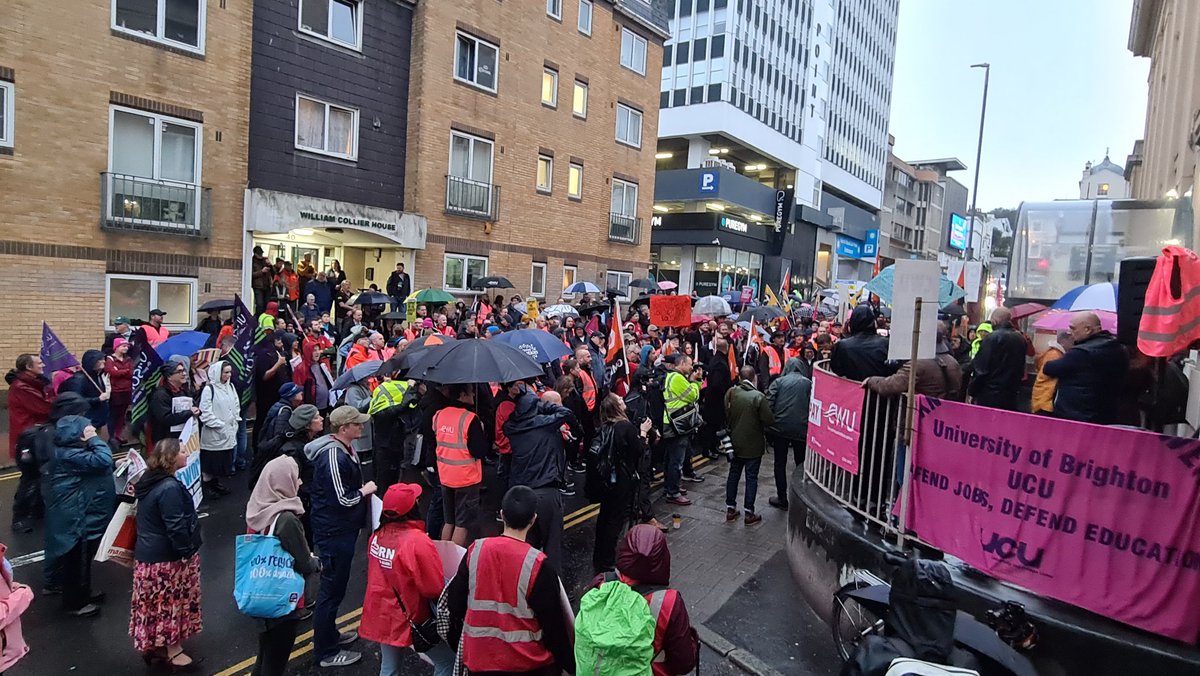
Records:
x=1103, y=518
x=146, y=370
x=834, y=417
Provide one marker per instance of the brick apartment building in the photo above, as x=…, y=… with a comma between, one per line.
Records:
x=122, y=162
x=531, y=140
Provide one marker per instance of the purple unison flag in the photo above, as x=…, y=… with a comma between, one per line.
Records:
x=54, y=354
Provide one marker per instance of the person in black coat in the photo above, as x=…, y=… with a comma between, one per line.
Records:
x=999, y=365
x=618, y=505
x=719, y=379
x=1087, y=372
x=863, y=353
x=165, y=421
x=89, y=383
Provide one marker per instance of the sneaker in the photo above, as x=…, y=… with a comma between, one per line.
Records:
x=304, y=615
x=695, y=479
x=567, y=491
x=752, y=518
x=97, y=598
x=347, y=637
x=778, y=504
x=343, y=658
x=682, y=491
x=679, y=500
x=90, y=610
x=577, y=467
x=731, y=514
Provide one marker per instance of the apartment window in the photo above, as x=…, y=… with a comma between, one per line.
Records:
x=537, y=281
x=623, y=221
x=633, y=51
x=550, y=87
x=136, y=295
x=154, y=168
x=629, y=126
x=570, y=272
x=554, y=8
x=618, y=281
x=339, y=21
x=7, y=106
x=458, y=271
x=545, y=173
x=469, y=188
x=579, y=101
x=585, y=17
x=326, y=128
x=575, y=180
x=475, y=61
x=179, y=23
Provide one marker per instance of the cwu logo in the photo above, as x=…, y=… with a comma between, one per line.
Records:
x=529, y=349
x=837, y=416
x=1006, y=548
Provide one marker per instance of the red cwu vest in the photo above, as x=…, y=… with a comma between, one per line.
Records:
x=500, y=631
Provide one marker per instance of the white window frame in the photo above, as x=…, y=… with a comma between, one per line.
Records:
x=154, y=280
x=466, y=258
x=10, y=108
x=158, y=124
x=532, y=290
x=553, y=102
x=575, y=167
x=478, y=41
x=548, y=186
x=160, y=30
x=625, y=186
x=626, y=276
x=358, y=24
x=353, y=156
x=634, y=41
x=554, y=9
x=580, y=86
x=474, y=139
x=585, y=10
x=574, y=278
x=630, y=113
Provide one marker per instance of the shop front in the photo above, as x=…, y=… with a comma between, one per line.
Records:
x=710, y=253
x=366, y=242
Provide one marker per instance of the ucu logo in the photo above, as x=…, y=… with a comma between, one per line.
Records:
x=1006, y=548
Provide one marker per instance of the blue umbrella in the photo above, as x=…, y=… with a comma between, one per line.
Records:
x=185, y=344
x=1089, y=297
x=539, y=345
x=882, y=285
x=582, y=287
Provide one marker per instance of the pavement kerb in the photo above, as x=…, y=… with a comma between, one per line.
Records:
x=745, y=660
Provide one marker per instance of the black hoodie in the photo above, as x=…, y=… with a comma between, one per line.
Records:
x=863, y=353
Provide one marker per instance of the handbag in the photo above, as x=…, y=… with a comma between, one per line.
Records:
x=425, y=635
x=264, y=584
x=120, y=537
x=684, y=420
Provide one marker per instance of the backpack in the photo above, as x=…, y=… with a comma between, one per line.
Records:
x=614, y=632
x=601, y=465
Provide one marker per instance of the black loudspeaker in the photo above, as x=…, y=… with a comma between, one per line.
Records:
x=1131, y=296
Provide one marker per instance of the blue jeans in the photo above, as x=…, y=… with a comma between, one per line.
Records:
x=735, y=475
x=391, y=657
x=241, y=455
x=337, y=556
x=676, y=452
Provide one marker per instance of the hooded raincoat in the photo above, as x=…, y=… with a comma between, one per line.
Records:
x=220, y=409
x=77, y=486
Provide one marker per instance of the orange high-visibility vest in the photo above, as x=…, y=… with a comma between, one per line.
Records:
x=456, y=467
x=1171, y=317
x=500, y=631
x=774, y=365
x=589, y=390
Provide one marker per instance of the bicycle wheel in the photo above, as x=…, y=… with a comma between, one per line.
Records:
x=851, y=621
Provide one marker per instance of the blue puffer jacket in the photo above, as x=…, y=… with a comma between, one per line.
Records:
x=77, y=486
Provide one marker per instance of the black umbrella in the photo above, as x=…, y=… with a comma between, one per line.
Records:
x=361, y=370
x=394, y=316
x=491, y=283
x=372, y=298
x=401, y=360
x=644, y=283
x=219, y=304
x=587, y=311
x=762, y=313
x=473, y=361
x=953, y=311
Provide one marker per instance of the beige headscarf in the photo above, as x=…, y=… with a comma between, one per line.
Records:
x=274, y=493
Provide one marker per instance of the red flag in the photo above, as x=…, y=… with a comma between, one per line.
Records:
x=614, y=360
x=593, y=325
x=733, y=369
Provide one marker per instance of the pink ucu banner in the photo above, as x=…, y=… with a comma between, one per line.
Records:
x=1102, y=518
x=834, y=418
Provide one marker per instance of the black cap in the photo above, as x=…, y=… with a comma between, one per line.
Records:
x=158, y=312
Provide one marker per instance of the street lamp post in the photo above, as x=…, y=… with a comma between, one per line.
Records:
x=987, y=71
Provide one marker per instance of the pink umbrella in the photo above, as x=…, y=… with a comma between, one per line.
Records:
x=667, y=285
x=696, y=319
x=1060, y=320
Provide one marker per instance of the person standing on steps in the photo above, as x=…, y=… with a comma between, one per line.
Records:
x=749, y=415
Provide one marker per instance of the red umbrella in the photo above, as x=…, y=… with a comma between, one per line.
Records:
x=1027, y=310
x=696, y=319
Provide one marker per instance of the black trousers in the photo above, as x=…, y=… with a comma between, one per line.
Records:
x=27, y=503
x=77, y=574
x=275, y=648
x=780, y=446
x=615, y=512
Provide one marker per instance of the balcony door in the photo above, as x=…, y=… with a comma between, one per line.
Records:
x=470, y=183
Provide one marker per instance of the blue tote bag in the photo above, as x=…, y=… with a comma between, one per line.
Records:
x=264, y=583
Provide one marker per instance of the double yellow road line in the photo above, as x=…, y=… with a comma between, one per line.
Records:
x=353, y=618
x=16, y=474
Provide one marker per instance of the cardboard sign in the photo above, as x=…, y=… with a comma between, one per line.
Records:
x=671, y=310
x=410, y=312
x=913, y=280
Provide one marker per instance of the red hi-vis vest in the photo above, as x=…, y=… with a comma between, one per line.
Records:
x=456, y=467
x=500, y=631
x=589, y=390
x=1171, y=317
x=662, y=604
x=774, y=364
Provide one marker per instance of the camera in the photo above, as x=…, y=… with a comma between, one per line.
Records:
x=1012, y=625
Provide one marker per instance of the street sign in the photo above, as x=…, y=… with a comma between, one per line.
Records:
x=848, y=247
x=871, y=244
x=709, y=182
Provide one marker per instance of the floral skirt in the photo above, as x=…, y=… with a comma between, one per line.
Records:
x=165, y=606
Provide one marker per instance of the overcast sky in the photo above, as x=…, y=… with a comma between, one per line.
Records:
x=1063, y=88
